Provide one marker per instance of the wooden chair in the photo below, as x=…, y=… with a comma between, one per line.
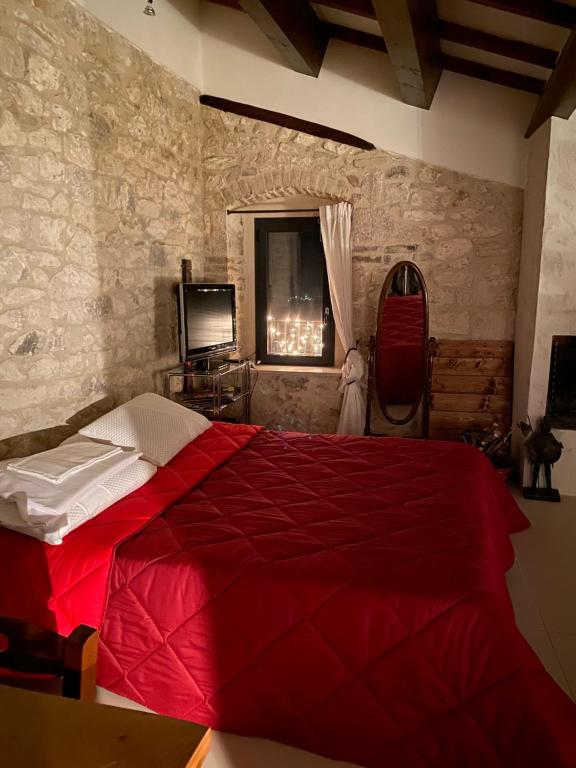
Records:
x=40, y=660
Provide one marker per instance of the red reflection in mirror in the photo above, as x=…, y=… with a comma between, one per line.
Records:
x=401, y=343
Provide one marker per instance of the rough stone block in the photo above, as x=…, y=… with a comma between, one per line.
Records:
x=60, y=205
x=11, y=132
x=423, y=215
x=28, y=37
x=43, y=76
x=372, y=226
x=18, y=297
x=79, y=150
x=12, y=62
x=27, y=99
x=49, y=232
x=13, y=268
x=6, y=167
x=35, y=203
x=454, y=249
x=30, y=343
x=62, y=120
x=9, y=197
x=45, y=138
x=12, y=226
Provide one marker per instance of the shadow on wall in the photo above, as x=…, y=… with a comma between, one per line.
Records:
x=233, y=27
x=27, y=443
x=473, y=118
x=165, y=320
x=186, y=9
x=371, y=70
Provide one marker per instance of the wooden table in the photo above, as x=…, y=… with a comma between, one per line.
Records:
x=42, y=731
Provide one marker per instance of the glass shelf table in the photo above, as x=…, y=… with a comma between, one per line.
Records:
x=211, y=391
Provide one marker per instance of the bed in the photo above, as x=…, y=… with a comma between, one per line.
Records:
x=344, y=595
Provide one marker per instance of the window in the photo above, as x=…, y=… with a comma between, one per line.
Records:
x=294, y=323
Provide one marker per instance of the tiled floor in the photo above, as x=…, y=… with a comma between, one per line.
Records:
x=542, y=585
x=229, y=751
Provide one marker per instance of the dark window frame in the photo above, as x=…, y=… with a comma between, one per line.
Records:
x=262, y=227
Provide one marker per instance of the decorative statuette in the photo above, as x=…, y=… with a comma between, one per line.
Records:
x=543, y=449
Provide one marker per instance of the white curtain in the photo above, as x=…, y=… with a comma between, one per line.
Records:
x=336, y=225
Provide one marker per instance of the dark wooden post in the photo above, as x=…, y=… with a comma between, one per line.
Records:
x=186, y=270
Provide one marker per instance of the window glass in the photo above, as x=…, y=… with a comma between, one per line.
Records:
x=294, y=317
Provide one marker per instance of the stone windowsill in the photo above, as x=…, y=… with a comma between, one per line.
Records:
x=302, y=370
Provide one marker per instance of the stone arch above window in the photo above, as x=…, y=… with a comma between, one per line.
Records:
x=286, y=183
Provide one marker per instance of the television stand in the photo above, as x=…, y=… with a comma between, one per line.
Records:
x=207, y=364
x=211, y=390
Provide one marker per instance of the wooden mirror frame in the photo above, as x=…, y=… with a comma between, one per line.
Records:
x=425, y=357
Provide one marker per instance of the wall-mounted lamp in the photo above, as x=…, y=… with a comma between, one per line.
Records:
x=149, y=9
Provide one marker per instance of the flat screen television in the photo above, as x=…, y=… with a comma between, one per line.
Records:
x=207, y=319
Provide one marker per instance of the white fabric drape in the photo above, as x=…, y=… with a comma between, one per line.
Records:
x=336, y=226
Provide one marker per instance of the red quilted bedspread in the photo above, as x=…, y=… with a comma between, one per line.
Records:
x=61, y=587
x=345, y=595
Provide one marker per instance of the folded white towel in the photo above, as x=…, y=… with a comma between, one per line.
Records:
x=98, y=498
x=58, y=464
x=38, y=500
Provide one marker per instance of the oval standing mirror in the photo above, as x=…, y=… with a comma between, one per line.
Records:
x=401, y=343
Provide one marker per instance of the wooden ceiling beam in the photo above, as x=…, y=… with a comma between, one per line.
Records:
x=553, y=12
x=559, y=96
x=293, y=29
x=451, y=63
x=493, y=74
x=286, y=121
x=512, y=49
x=410, y=31
x=559, y=14
x=526, y=52
x=456, y=33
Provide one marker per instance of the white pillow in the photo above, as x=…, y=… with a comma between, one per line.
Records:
x=96, y=500
x=149, y=423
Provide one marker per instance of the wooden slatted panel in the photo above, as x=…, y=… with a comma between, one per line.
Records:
x=451, y=348
x=462, y=421
x=470, y=403
x=473, y=366
x=453, y=435
x=471, y=387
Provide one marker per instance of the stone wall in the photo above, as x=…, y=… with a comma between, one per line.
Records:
x=100, y=198
x=463, y=232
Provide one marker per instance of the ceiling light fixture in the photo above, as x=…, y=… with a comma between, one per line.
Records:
x=149, y=9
